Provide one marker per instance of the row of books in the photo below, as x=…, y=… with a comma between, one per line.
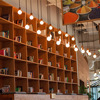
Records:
x=66, y=79
x=40, y=46
x=30, y=74
x=29, y=43
x=19, y=22
x=58, y=64
x=51, y=90
x=40, y=60
x=30, y=58
x=5, y=33
x=4, y=71
x=17, y=55
x=41, y=76
x=65, y=54
x=5, y=51
x=18, y=38
x=58, y=78
x=49, y=63
x=30, y=89
x=5, y=88
x=51, y=76
x=18, y=73
x=50, y=49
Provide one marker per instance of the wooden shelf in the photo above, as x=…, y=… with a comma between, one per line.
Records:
x=58, y=54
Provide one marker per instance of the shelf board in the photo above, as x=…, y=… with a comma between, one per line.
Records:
x=19, y=43
x=60, y=81
x=4, y=39
x=19, y=60
x=20, y=77
x=30, y=62
x=42, y=50
x=40, y=35
x=31, y=47
x=42, y=64
x=32, y=78
x=4, y=75
x=74, y=71
x=53, y=81
x=75, y=83
x=30, y=31
x=4, y=21
x=18, y=26
x=68, y=70
x=60, y=68
x=43, y=79
x=68, y=83
x=51, y=53
x=52, y=67
x=59, y=55
x=5, y=57
x=66, y=58
x=73, y=60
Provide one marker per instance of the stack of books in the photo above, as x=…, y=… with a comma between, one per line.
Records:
x=41, y=76
x=6, y=16
x=40, y=60
x=30, y=74
x=58, y=65
x=30, y=89
x=6, y=88
x=65, y=67
x=18, y=73
x=51, y=90
x=65, y=54
x=19, y=22
x=51, y=76
x=41, y=90
x=29, y=43
x=40, y=46
x=30, y=58
x=4, y=71
x=5, y=51
x=5, y=33
x=50, y=49
x=57, y=52
x=17, y=55
x=49, y=63
x=18, y=38
x=58, y=78
x=66, y=79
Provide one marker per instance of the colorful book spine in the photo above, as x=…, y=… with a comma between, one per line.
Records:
x=49, y=63
x=40, y=46
x=4, y=71
x=30, y=74
x=18, y=38
x=30, y=89
x=50, y=49
x=18, y=73
x=65, y=67
x=58, y=78
x=5, y=33
x=51, y=90
x=65, y=54
x=30, y=58
x=29, y=43
x=40, y=61
x=66, y=79
x=17, y=55
x=58, y=65
x=41, y=76
x=51, y=76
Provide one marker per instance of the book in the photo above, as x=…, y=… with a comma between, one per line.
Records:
x=30, y=89
x=65, y=54
x=66, y=79
x=58, y=78
x=6, y=88
x=18, y=73
x=4, y=71
x=72, y=68
x=5, y=33
x=19, y=22
x=50, y=49
x=65, y=67
x=40, y=46
x=40, y=60
x=57, y=52
x=49, y=63
x=30, y=74
x=17, y=55
x=53, y=35
x=30, y=58
x=29, y=43
x=58, y=64
x=41, y=90
x=5, y=51
x=6, y=16
x=71, y=57
x=51, y=76
x=51, y=90
x=41, y=76
x=18, y=38
x=19, y=89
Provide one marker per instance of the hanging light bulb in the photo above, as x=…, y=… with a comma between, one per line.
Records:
x=49, y=37
x=67, y=45
x=73, y=38
x=96, y=78
x=94, y=56
x=99, y=71
x=76, y=48
x=58, y=42
x=50, y=27
x=31, y=16
x=87, y=51
x=59, y=31
x=38, y=31
x=95, y=74
x=27, y=26
x=66, y=35
x=82, y=50
x=19, y=11
x=41, y=22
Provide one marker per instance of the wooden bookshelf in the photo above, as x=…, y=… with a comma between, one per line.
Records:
x=32, y=50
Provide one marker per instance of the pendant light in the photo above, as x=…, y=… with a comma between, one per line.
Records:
x=94, y=55
x=19, y=10
x=41, y=21
x=31, y=15
x=82, y=49
x=38, y=29
x=26, y=26
x=66, y=35
x=95, y=74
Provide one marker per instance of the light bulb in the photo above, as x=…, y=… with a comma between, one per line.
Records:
x=50, y=27
x=27, y=26
x=95, y=74
x=94, y=56
x=19, y=11
x=67, y=45
x=41, y=22
x=87, y=51
x=76, y=49
x=66, y=35
x=96, y=78
x=74, y=45
x=59, y=32
x=31, y=17
x=82, y=50
x=99, y=71
x=48, y=38
x=38, y=32
x=58, y=42
x=73, y=38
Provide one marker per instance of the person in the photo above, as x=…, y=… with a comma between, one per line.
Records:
x=98, y=98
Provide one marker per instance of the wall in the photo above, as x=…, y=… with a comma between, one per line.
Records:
x=83, y=68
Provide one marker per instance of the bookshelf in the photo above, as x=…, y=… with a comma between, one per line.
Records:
x=36, y=67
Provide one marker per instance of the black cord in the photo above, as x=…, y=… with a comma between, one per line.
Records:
x=88, y=37
x=66, y=28
x=41, y=8
x=19, y=3
x=31, y=6
x=38, y=11
x=57, y=13
x=81, y=34
x=26, y=11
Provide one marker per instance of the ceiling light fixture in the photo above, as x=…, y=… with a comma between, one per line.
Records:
x=19, y=10
x=76, y=48
x=66, y=35
x=26, y=26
